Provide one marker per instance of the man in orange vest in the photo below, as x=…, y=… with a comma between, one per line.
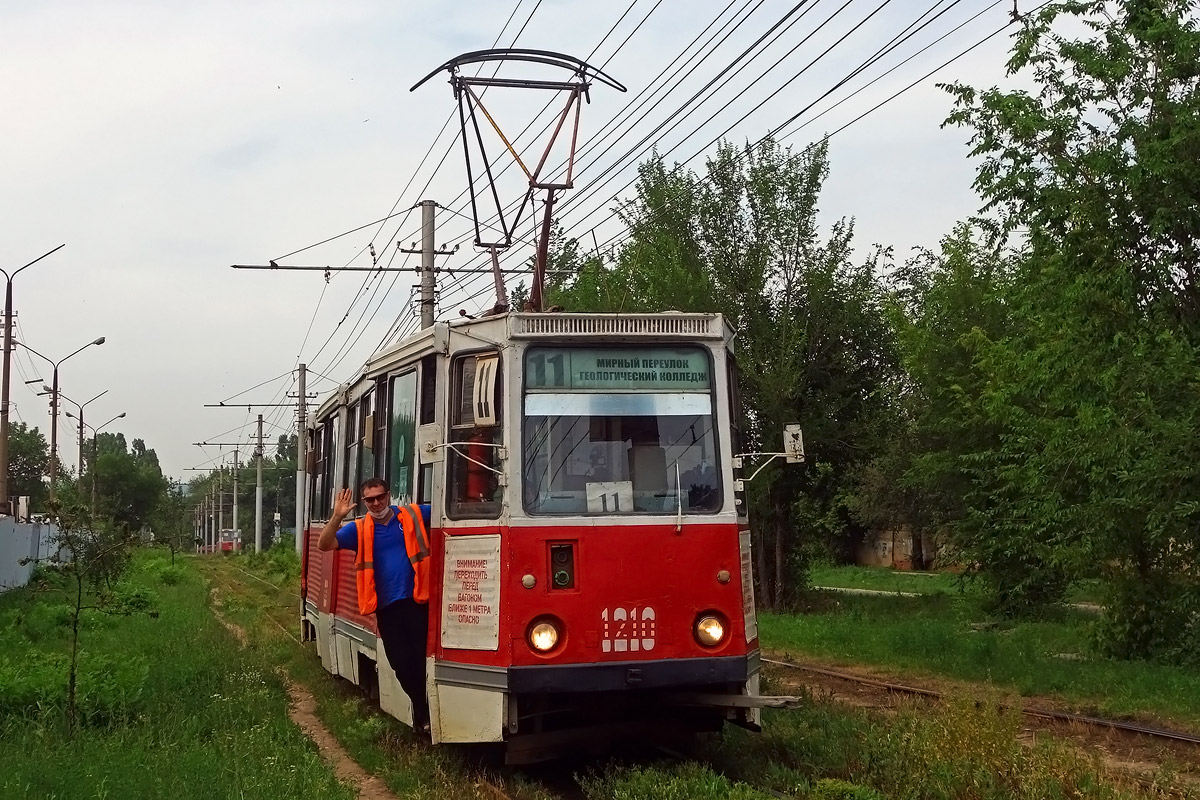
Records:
x=392, y=568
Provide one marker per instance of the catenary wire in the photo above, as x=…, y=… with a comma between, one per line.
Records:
x=612, y=241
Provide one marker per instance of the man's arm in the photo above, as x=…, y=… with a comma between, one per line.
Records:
x=342, y=503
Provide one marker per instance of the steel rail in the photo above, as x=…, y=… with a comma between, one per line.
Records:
x=1061, y=716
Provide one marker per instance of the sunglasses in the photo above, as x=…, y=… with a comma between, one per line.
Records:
x=378, y=498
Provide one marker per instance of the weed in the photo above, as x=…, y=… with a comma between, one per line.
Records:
x=688, y=781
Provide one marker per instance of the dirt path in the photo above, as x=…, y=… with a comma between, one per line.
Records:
x=302, y=709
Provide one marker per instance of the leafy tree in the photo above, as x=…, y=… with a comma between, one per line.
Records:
x=172, y=522
x=94, y=554
x=28, y=461
x=1095, y=391
x=128, y=483
x=944, y=304
x=813, y=343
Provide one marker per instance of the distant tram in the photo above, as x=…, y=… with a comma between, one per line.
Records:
x=591, y=556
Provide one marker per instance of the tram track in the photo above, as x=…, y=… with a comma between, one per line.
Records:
x=1046, y=714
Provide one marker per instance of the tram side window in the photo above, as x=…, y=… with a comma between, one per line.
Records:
x=333, y=440
x=365, y=430
x=350, y=456
x=380, y=434
x=316, y=477
x=404, y=436
x=428, y=411
x=475, y=436
x=321, y=497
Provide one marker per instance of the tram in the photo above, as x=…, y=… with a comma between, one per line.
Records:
x=591, y=557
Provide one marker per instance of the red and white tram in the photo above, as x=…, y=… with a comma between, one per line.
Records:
x=591, y=559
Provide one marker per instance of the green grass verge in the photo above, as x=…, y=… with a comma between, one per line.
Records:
x=187, y=713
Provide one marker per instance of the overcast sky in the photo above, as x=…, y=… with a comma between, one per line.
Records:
x=164, y=141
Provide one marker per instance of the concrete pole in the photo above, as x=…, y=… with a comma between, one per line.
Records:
x=54, y=433
x=4, y=506
x=427, y=253
x=301, y=473
x=80, y=477
x=258, y=492
x=220, y=503
x=236, y=535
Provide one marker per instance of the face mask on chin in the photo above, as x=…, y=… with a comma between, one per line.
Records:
x=381, y=516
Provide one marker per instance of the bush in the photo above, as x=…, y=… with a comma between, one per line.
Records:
x=171, y=575
x=126, y=600
x=832, y=789
x=108, y=690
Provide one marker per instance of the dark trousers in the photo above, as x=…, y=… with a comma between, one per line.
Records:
x=403, y=628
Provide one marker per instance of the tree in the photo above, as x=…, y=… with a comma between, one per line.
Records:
x=28, y=462
x=1095, y=391
x=944, y=304
x=97, y=555
x=813, y=343
x=129, y=484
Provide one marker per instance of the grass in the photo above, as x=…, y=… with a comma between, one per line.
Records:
x=190, y=714
x=950, y=636
x=381, y=744
x=970, y=751
x=886, y=579
x=175, y=707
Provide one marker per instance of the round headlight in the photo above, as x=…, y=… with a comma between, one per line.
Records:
x=710, y=630
x=543, y=637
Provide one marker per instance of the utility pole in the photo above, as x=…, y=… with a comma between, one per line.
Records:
x=236, y=534
x=427, y=250
x=258, y=491
x=5, y=507
x=220, y=504
x=301, y=467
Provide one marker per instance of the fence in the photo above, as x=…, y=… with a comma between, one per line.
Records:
x=24, y=541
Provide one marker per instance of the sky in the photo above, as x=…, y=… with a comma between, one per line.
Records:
x=163, y=142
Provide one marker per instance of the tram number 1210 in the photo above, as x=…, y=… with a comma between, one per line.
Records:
x=628, y=630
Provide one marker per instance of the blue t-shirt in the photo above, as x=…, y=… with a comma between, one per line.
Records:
x=393, y=572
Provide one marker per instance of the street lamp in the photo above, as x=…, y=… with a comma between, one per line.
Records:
x=78, y=407
x=54, y=405
x=8, y=315
x=95, y=431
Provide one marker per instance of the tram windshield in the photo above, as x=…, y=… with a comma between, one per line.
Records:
x=619, y=430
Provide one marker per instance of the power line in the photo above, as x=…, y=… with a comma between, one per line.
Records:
x=624, y=236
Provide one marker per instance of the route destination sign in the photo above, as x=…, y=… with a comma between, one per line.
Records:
x=656, y=369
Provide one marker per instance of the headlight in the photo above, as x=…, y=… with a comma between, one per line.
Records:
x=543, y=637
x=710, y=630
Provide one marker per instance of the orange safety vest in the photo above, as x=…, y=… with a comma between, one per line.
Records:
x=416, y=543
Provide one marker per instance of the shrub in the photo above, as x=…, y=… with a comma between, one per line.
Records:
x=171, y=575
x=833, y=789
x=35, y=686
